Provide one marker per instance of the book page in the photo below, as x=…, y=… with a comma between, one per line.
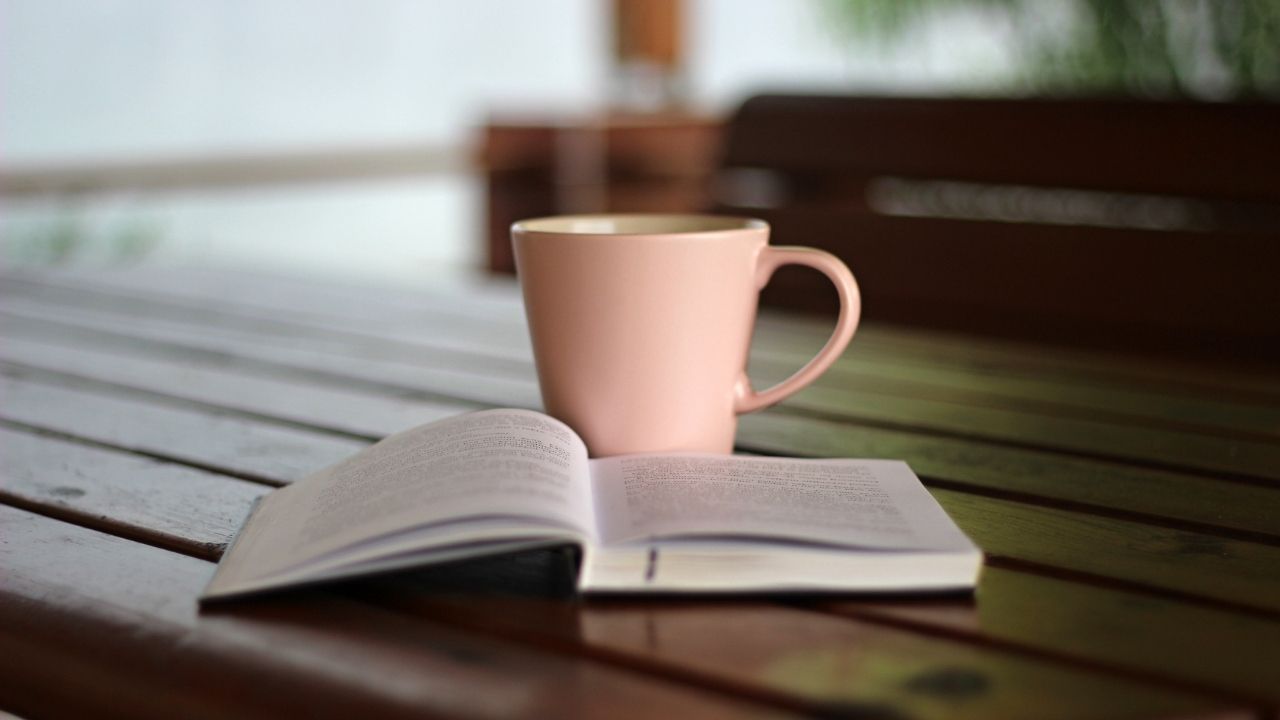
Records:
x=865, y=503
x=484, y=464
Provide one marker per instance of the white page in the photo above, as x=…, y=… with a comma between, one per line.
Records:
x=489, y=463
x=867, y=503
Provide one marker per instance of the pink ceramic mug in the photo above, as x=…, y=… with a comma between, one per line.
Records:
x=641, y=324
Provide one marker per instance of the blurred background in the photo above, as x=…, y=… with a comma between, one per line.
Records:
x=395, y=139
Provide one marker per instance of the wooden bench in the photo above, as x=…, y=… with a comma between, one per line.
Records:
x=1129, y=508
x=1137, y=225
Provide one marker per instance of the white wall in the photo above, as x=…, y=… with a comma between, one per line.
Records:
x=101, y=79
x=136, y=77
x=83, y=81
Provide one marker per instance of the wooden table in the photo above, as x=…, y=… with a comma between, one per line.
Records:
x=1130, y=510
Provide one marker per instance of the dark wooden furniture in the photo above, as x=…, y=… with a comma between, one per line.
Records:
x=1106, y=223
x=1129, y=507
x=642, y=154
x=609, y=162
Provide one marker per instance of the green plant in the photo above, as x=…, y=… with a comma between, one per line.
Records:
x=66, y=237
x=1171, y=48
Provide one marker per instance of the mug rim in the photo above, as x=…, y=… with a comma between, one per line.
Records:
x=637, y=224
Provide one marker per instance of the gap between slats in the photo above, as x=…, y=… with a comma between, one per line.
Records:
x=444, y=347
x=751, y=442
x=123, y=616
x=931, y=417
x=485, y=622
x=320, y=304
x=278, y=478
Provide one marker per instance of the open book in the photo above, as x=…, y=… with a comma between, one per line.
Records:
x=501, y=480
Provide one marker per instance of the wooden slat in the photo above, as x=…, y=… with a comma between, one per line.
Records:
x=883, y=377
x=1004, y=470
x=257, y=451
x=1089, y=622
x=1062, y=284
x=1110, y=607
x=1036, y=476
x=1160, y=447
x=295, y=304
x=1255, y=457
x=119, y=620
x=267, y=451
x=517, y=389
x=1196, y=380
x=1187, y=148
x=802, y=649
x=547, y=622
x=1145, y=558
x=1061, y=369
x=291, y=399
x=292, y=306
x=998, y=386
x=1010, y=470
x=889, y=379
x=942, y=365
x=1192, y=564
x=886, y=375
x=199, y=515
x=1189, y=270
x=710, y=643
x=987, y=387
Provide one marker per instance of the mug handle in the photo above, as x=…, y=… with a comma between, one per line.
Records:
x=746, y=399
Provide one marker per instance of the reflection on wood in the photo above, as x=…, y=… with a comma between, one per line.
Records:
x=142, y=417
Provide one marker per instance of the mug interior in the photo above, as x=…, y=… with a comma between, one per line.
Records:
x=636, y=224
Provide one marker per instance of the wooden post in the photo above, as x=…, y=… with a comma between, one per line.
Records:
x=648, y=54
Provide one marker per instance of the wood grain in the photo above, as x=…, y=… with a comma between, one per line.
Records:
x=113, y=490
x=1191, y=564
x=120, y=618
x=1249, y=511
x=987, y=265
x=494, y=313
x=845, y=394
x=382, y=322
x=1011, y=470
x=1176, y=443
x=252, y=449
x=165, y=504
x=745, y=643
x=1180, y=147
x=1116, y=588
x=1102, y=625
x=290, y=399
x=993, y=385
x=1044, y=283
x=1249, y=383
x=390, y=376
x=663, y=637
x=1239, y=574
